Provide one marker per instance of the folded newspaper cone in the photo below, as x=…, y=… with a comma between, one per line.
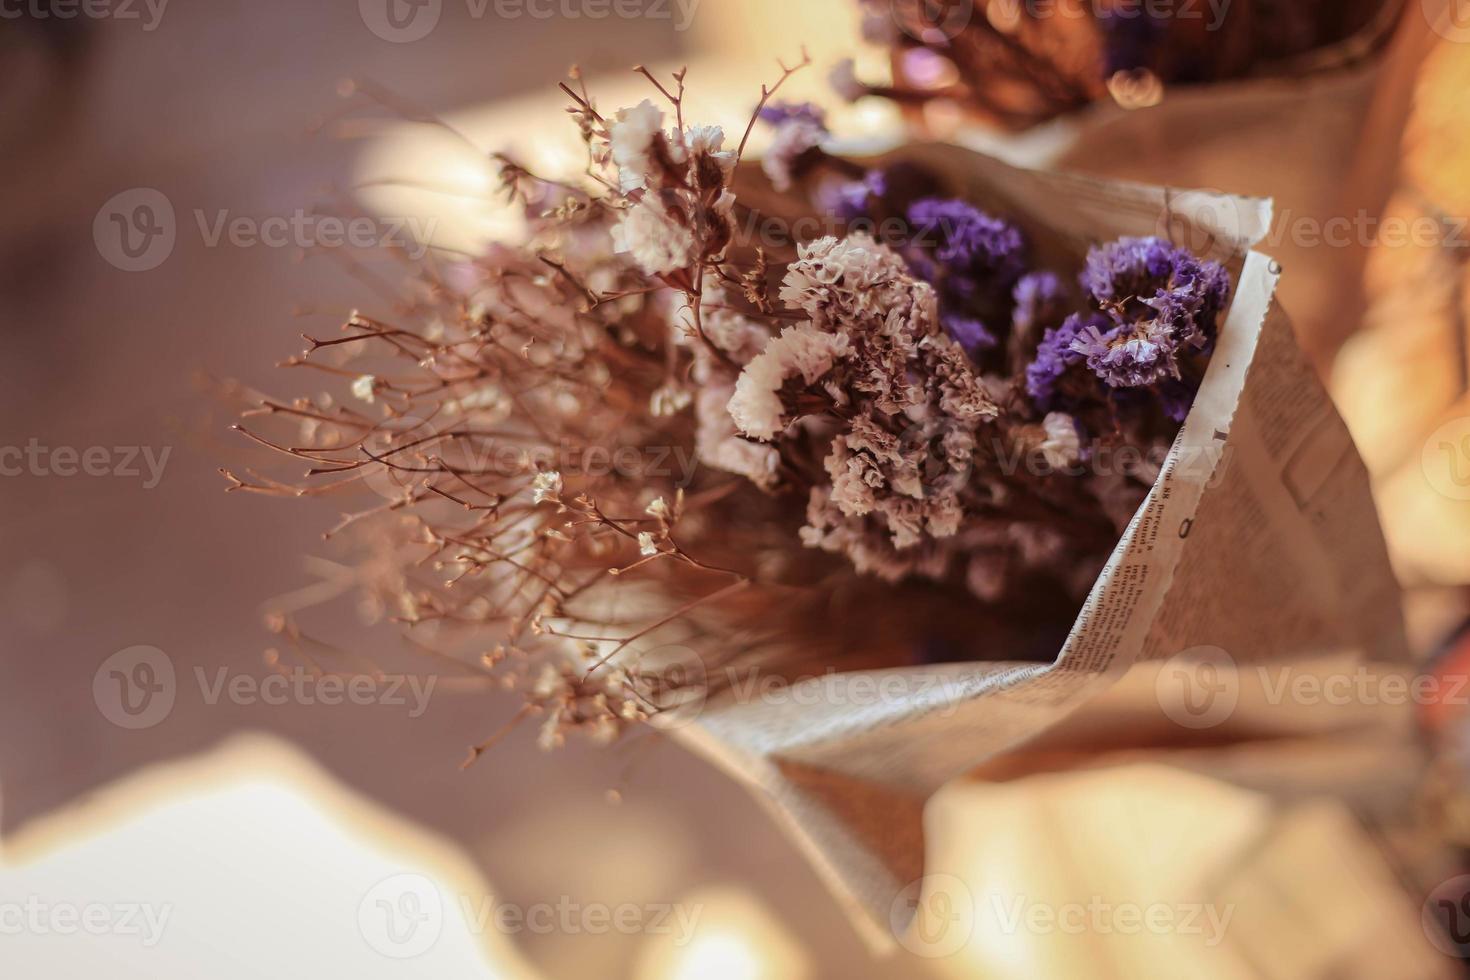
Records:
x=1259, y=543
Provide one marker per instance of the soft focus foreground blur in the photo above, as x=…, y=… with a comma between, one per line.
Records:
x=349, y=839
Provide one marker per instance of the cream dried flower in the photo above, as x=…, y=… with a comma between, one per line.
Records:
x=793, y=138
x=653, y=239
x=546, y=486
x=802, y=352
x=632, y=135
x=1061, y=448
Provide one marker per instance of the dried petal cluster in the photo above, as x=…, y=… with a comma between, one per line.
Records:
x=614, y=462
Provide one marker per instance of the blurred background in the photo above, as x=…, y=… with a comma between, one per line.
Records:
x=237, y=829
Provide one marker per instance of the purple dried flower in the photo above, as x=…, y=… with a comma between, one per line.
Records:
x=1040, y=301
x=1128, y=356
x=1130, y=268
x=967, y=238
x=1054, y=355
x=1140, y=269
x=969, y=333
x=1176, y=398
x=850, y=199
x=1163, y=302
x=1130, y=40
x=777, y=113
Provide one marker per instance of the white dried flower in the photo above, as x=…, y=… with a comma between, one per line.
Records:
x=659, y=508
x=727, y=328
x=793, y=137
x=490, y=401
x=632, y=134
x=1062, y=447
x=706, y=141
x=719, y=444
x=365, y=386
x=857, y=279
x=646, y=546
x=669, y=399
x=656, y=243
x=546, y=486
x=800, y=351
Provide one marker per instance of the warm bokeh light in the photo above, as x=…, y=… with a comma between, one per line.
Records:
x=412, y=168
x=182, y=865
x=736, y=939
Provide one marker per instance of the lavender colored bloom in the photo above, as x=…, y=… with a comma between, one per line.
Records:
x=849, y=199
x=1162, y=301
x=1054, y=355
x=969, y=333
x=1131, y=268
x=1176, y=398
x=974, y=261
x=777, y=113
x=1130, y=40
x=967, y=238
x=1141, y=269
x=1128, y=357
x=1040, y=302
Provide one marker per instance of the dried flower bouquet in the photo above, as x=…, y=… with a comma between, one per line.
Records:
x=656, y=445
